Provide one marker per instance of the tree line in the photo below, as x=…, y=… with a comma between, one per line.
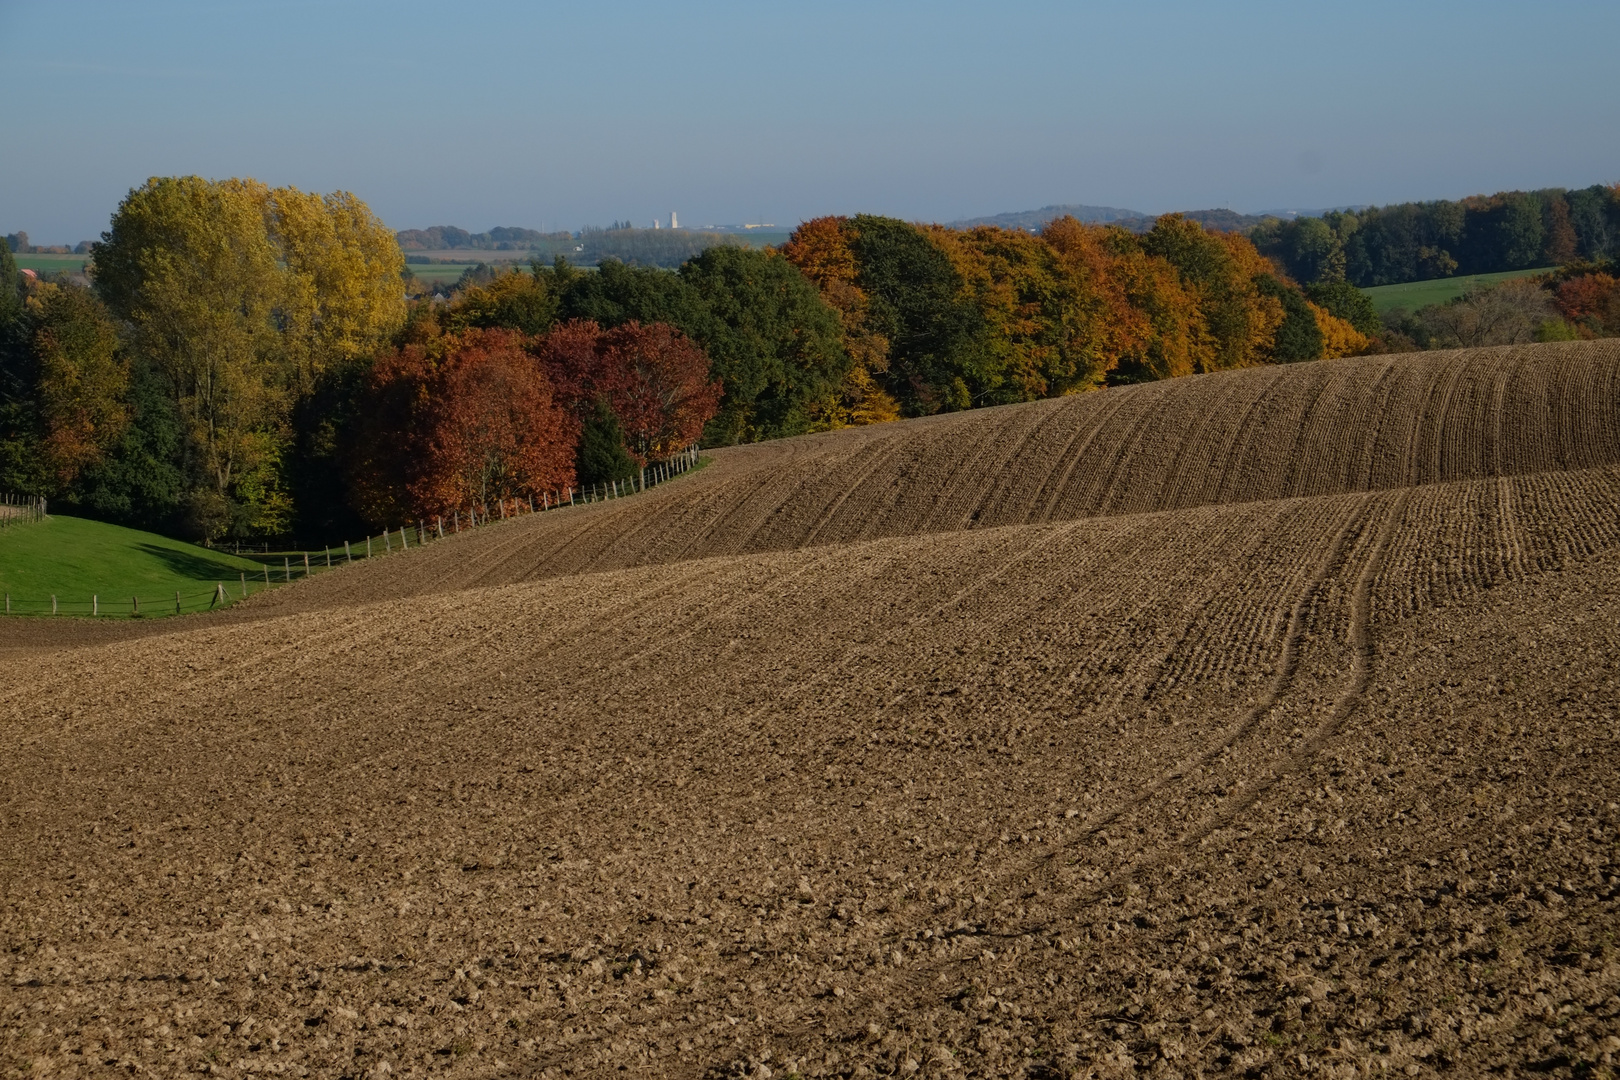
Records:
x=246, y=363
x=1417, y=241
x=19, y=243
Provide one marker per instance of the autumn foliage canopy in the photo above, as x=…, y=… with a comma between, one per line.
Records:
x=475, y=418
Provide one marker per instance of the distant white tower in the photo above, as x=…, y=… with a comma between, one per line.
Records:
x=674, y=222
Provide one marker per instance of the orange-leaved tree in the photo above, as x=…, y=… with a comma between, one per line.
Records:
x=1339, y=338
x=1591, y=302
x=1149, y=325
x=821, y=249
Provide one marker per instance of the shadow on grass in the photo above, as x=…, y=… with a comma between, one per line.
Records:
x=186, y=564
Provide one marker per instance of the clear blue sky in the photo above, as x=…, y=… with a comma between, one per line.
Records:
x=561, y=114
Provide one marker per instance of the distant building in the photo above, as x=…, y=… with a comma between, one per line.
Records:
x=674, y=222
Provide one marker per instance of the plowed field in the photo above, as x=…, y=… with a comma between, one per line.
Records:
x=1251, y=724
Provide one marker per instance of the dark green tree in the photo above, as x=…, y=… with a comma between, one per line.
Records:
x=1298, y=338
x=774, y=344
x=939, y=358
x=325, y=423
x=1308, y=248
x=11, y=304
x=1589, y=214
x=1349, y=303
x=602, y=457
x=141, y=481
x=772, y=341
x=19, y=421
x=617, y=293
x=1505, y=232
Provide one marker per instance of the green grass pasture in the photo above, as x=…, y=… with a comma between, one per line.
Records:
x=50, y=264
x=435, y=273
x=76, y=559
x=1412, y=295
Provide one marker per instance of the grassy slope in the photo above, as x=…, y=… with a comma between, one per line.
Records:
x=1412, y=295
x=75, y=558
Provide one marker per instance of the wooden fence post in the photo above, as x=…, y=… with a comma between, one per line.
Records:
x=388, y=543
x=286, y=569
x=368, y=547
x=134, y=605
x=439, y=520
x=177, y=603
x=267, y=575
x=244, y=583
x=53, y=603
x=348, y=556
x=95, y=604
x=329, y=556
x=404, y=545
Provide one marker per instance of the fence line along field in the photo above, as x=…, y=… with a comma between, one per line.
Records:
x=1259, y=723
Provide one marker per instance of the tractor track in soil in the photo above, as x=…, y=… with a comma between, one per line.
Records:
x=1257, y=721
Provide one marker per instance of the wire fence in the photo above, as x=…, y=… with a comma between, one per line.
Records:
x=301, y=563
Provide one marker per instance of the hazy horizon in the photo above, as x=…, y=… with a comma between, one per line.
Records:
x=516, y=114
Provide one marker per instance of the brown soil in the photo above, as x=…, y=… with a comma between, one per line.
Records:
x=1258, y=724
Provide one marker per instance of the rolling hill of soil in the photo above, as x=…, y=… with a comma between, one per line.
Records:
x=1252, y=724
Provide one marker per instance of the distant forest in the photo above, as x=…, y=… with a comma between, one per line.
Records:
x=504, y=238
x=666, y=248
x=1417, y=241
x=1131, y=220
x=1402, y=242
x=1374, y=245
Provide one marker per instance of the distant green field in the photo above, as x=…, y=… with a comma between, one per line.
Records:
x=75, y=559
x=764, y=238
x=437, y=272
x=50, y=263
x=1416, y=294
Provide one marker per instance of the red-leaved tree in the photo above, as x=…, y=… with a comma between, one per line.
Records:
x=654, y=378
x=663, y=395
x=470, y=422
x=490, y=429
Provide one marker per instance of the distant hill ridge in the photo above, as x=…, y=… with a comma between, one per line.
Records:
x=512, y=238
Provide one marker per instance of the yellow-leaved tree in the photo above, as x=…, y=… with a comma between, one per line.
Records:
x=343, y=291
x=241, y=296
